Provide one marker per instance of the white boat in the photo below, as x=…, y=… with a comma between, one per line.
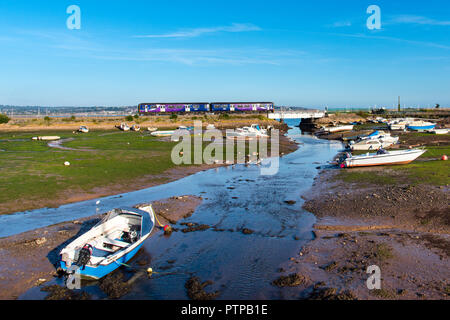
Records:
x=420, y=125
x=83, y=129
x=382, y=158
x=439, y=131
x=210, y=127
x=162, y=133
x=124, y=127
x=47, y=138
x=375, y=141
x=338, y=128
x=254, y=131
x=369, y=144
x=109, y=244
x=152, y=129
x=135, y=127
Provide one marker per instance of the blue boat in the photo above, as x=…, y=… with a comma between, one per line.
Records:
x=109, y=244
x=421, y=126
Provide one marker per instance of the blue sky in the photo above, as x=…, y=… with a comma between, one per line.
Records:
x=303, y=53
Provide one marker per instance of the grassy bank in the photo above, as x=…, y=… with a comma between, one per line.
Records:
x=32, y=173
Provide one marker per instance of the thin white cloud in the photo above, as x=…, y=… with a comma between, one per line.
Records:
x=414, y=19
x=203, y=57
x=421, y=43
x=192, y=33
x=340, y=24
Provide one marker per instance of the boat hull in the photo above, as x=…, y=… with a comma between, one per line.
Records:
x=384, y=159
x=95, y=273
x=418, y=128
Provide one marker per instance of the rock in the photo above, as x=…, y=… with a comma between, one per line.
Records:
x=195, y=289
x=40, y=241
x=292, y=280
x=247, y=231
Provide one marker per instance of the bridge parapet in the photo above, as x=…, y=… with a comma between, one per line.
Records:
x=296, y=115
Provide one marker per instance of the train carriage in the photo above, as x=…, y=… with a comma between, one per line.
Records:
x=242, y=107
x=156, y=108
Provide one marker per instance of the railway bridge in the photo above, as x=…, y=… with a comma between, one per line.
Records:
x=296, y=114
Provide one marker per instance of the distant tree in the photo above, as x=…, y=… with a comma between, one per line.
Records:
x=173, y=116
x=47, y=118
x=129, y=118
x=4, y=118
x=136, y=116
x=72, y=118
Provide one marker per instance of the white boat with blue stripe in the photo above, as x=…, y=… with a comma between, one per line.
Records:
x=109, y=244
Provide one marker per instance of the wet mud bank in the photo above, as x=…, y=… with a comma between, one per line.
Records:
x=31, y=259
x=402, y=229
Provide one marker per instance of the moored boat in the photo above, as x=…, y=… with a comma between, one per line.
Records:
x=109, y=244
x=338, y=128
x=83, y=129
x=123, y=127
x=420, y=126
x=135, y=127
x=254, y=131
x=382, y=158
x=46, y=138
x=439, y=131
x=162, y=133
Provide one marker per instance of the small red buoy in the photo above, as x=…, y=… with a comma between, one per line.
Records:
x=167, y=228
x=444, y=158
x=342, y=166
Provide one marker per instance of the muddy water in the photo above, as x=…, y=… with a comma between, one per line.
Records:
x=241, y=266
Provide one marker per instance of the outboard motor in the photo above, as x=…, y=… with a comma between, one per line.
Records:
x=84, y=256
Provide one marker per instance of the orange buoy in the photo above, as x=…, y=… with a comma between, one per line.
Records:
x=444, y=158
x=167, y=229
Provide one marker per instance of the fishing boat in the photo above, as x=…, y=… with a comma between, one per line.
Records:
x=152, y=129
x=382, y=157
x=210, y=127
x=83, y=129
x=162, y=133
x=109, y=244
x=421, y=126
x=46, y=138
x=135, y=127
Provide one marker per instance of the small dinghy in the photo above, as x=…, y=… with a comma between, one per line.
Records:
x=162, y=133
x=109, y=244
x=135, y=127
x=382, y=157
x=46, y=138
x=83, y=129
x=123, y=127
x=338, y=128
x=439, y=131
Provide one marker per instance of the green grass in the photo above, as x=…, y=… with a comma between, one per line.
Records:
x=368, y=177
x=33, y=171
x=434, y=172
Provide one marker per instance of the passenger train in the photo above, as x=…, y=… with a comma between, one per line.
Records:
x=202, y=107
